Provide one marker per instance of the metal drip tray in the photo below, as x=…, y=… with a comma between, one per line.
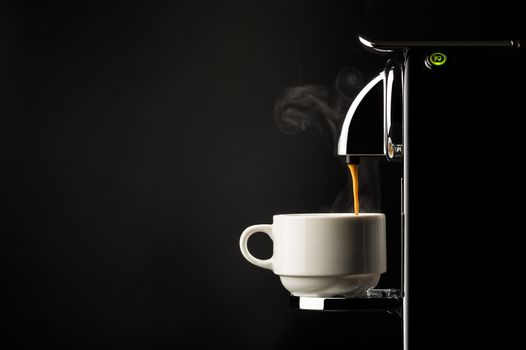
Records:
x=389, y=300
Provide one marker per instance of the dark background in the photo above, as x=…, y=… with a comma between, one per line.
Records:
x=138, y=141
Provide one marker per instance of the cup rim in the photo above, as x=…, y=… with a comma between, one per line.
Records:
x=330, y=215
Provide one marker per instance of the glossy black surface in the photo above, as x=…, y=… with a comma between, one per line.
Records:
x=465, y=147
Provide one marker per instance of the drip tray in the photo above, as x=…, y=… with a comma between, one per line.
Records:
x=389, y=300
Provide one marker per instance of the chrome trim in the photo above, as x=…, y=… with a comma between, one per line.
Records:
x=405, y=210
x=373, y=46
x=393, y=151
x=344, y=133
x=394, y=46
x=312, y=303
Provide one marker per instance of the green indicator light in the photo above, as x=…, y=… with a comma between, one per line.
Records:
x=437, y=59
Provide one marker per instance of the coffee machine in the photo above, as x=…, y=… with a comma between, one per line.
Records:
x=446, y=111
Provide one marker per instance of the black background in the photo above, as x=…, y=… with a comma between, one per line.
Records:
x=137, y=142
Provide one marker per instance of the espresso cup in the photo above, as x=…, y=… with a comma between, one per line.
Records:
x=324, y=255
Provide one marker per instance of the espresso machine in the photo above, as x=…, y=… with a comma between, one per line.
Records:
x=446, y=110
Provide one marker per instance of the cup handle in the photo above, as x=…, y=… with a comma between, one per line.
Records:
x=243, y=240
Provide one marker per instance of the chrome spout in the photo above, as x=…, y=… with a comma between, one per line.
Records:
x=370, y=128
x=364, y=142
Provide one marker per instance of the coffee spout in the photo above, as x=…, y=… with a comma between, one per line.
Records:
x=368, y=128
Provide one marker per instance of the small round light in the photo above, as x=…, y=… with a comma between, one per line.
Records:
x=436, y=59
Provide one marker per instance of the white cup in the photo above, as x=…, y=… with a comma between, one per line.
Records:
x=324, y=255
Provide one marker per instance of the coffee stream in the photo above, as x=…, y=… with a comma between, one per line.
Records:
x=354, y=172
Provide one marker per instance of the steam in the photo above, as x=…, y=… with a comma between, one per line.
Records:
x=324, y=108
x=302, y=107
x=318, y=106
